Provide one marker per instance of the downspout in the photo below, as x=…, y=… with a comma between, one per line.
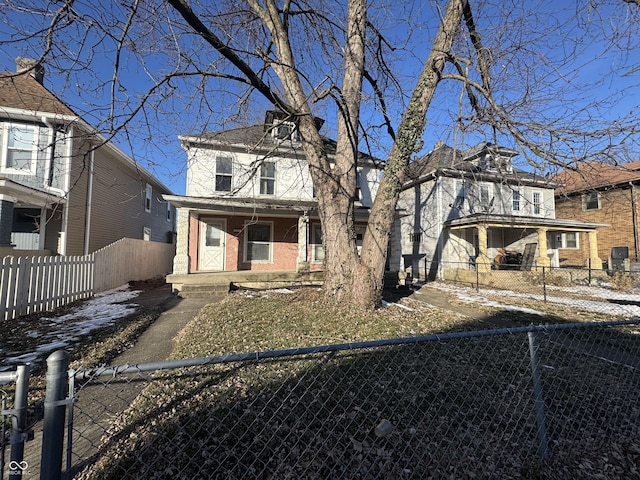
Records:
x=87, y=215
x=440, y=244
x=634, y=217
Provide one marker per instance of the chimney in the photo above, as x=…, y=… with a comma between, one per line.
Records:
x=35, y=68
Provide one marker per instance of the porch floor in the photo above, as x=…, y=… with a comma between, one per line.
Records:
x=202, y=283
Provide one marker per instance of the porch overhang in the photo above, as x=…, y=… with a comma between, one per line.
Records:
x=24, y=196
x=512, y=221
x=253, y=206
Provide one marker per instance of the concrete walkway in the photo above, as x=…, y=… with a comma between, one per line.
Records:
x=157, y=342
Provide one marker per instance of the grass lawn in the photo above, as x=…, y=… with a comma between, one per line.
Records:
x=455, y=409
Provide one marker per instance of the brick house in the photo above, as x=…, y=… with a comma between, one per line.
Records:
x=249, y=206
x=608, y=194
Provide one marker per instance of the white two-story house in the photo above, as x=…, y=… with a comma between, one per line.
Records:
x=249, y=203
x=465, y=209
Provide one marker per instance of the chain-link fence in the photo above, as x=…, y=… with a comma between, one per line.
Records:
x=556, y=401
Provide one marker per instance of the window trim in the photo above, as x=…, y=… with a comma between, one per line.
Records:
x=585, y=201
x=537, y=208
x=290, y=131
x=148, y=197
x=562, y=244
x=229, y=175
x=460, y=194
x=516, y=199
x=4, y=167
x=264, y=178
x=247, y=226
x=316, y=247
x=484, y=187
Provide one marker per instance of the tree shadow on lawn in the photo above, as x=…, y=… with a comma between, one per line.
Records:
x=455, y=408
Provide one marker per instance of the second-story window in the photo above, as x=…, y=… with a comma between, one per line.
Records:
x=484, y=196
x=148, y=195
x=267, y=178
x=19, y=149
x=460, y=195
x=515, y=201
x=591, y=201
x=224, y=174
x=536, y=200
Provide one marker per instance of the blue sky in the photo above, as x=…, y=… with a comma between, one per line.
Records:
x=581, y=62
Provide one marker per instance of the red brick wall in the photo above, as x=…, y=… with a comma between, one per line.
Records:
x=615, y=210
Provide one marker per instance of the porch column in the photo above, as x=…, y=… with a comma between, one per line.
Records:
x=483, y=263
x=543, y=259
x=6, y=219
x=303, y=243
x=181, y=261
x=594, y=259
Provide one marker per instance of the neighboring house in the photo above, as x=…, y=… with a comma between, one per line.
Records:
x=597, y=192
x=458, y=209
x=250, y=206
x=64, y=189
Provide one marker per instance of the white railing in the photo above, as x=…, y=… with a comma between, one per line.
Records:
x=37, y=284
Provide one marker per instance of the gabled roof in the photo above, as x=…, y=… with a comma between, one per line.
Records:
x=258, y=139
x=593, y=175
x=22, y=91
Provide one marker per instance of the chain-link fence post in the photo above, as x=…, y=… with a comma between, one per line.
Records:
x=54, y=414
x=538, y=397
x=19, y=422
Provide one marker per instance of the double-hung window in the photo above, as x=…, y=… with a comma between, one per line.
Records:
x=19, y=149
x=485, y=197
x=267, y=178
x=460, y=195
x=536, y=202
x=258, y=242
x=515, y=200
x=224, y=174
x=591, y=201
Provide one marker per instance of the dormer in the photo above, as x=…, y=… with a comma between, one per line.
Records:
x=491, y=158
x=283, y=126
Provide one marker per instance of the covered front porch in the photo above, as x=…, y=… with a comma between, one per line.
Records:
x=480, y=242
x=258, y=242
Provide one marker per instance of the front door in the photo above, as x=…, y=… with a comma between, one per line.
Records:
x=212, y=243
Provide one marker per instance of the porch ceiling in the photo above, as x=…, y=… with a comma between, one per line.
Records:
x=512, y=221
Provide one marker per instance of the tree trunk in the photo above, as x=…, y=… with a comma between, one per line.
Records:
x=408, y=142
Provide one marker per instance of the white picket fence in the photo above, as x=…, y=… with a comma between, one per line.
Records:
x=37, y=284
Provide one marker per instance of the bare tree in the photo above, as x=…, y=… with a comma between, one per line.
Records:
x=343, y=59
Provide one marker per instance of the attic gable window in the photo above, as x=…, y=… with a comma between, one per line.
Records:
x=285, y=131
x=224, y=174
x=591, y=201
x=19, y=149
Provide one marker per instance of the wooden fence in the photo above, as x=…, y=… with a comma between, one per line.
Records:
x=37, y=284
